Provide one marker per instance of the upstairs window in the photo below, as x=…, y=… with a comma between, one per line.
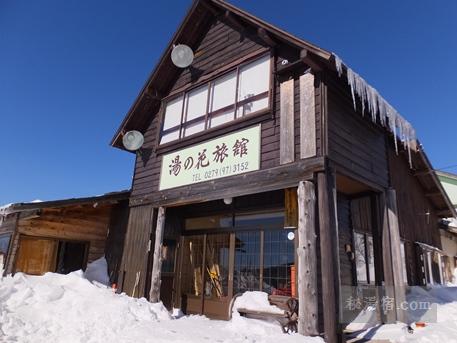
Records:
x=231, y=96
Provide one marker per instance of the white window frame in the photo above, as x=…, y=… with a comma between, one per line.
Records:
x=239, y=107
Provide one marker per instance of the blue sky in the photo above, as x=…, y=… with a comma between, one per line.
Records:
x=69, y=71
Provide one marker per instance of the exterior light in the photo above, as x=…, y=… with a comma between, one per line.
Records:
x=182, y=56
x=133, y=140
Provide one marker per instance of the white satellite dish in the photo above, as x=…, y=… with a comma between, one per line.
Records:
x=133, y=140
x=182, y=56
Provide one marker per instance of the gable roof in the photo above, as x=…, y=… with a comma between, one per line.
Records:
x=194, y=24
x=197, y=22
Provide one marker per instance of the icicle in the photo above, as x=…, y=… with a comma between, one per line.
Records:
x=351, y=82
x=338, y=65
x=388, y=116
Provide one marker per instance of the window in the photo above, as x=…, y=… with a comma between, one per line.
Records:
x=403, y=261
x=364, y=258
x=279, y=263
x=228, y=97
x=4, y=243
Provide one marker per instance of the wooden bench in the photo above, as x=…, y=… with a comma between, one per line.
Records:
x=287, y=319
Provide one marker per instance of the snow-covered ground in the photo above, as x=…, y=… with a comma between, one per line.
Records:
x=69, y=308
x=444, y=330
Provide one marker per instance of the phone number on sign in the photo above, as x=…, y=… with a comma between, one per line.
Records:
x=223, y=171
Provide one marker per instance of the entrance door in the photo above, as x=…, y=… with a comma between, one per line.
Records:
x=205, y=273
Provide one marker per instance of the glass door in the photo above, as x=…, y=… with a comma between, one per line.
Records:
x=217, y=295
x=205, y=275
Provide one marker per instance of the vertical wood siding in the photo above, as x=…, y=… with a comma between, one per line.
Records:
x=413, y=204
x=133, y=271
x=345, y=237
x=354, y=143
x=115, y=240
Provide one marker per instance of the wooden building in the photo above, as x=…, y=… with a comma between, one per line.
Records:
x=258, y=115
x=64, y=235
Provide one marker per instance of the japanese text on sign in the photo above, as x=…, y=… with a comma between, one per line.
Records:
x=233, y=154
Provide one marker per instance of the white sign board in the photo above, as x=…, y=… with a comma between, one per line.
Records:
x=233, y=154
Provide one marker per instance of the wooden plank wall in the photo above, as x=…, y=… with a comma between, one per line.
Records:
x=354, y=143
x=133, y=271
x=220, y=46
x=114, y=245
x=345, y=237
x=413, y=205
x=78, y=223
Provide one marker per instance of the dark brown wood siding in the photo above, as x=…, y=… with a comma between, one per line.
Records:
x=413, y=204
x=345, y=237
x=354, y=143
x=221, y=46
x=114, y=245
x=133, y=271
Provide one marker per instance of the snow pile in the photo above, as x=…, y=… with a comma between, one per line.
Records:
x=444, y=330
x=98, y=271
x=377, y=105
x=71, y=309
x=58, y=308
x=255, y=301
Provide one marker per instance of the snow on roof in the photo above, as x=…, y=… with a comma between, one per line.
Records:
x=377, y=105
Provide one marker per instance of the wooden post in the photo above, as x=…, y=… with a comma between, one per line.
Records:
x=395, y=249
x=388, y=316
x=329, y=255
x=286, y=122
x=154, y=294
x=307, y=116
x=9, y=267
x=307, y=261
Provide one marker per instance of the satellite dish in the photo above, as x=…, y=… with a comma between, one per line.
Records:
x=182, y=56
x=133, y=140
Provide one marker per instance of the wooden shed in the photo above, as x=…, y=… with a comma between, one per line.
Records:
x=269, y=164
x=64, y=235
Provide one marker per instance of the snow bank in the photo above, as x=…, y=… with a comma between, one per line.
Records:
x=68, y=308
x=444, y=330
x=255, y=301
x=98, y=271
x=71, y=309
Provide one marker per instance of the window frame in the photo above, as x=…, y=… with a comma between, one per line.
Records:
x=225, y=127
x=366, y=257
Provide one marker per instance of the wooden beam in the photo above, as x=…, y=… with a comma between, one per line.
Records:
x=231, y=20
x=266, y=179
x=265, y=37
x=433, y=194
x=306, y=56
x=422, y=172
x=307, y=261
x=307, y=116
x=329, y=255
x=154, y=294
x=395, y=252
x=286, y=135
x=12, y=250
